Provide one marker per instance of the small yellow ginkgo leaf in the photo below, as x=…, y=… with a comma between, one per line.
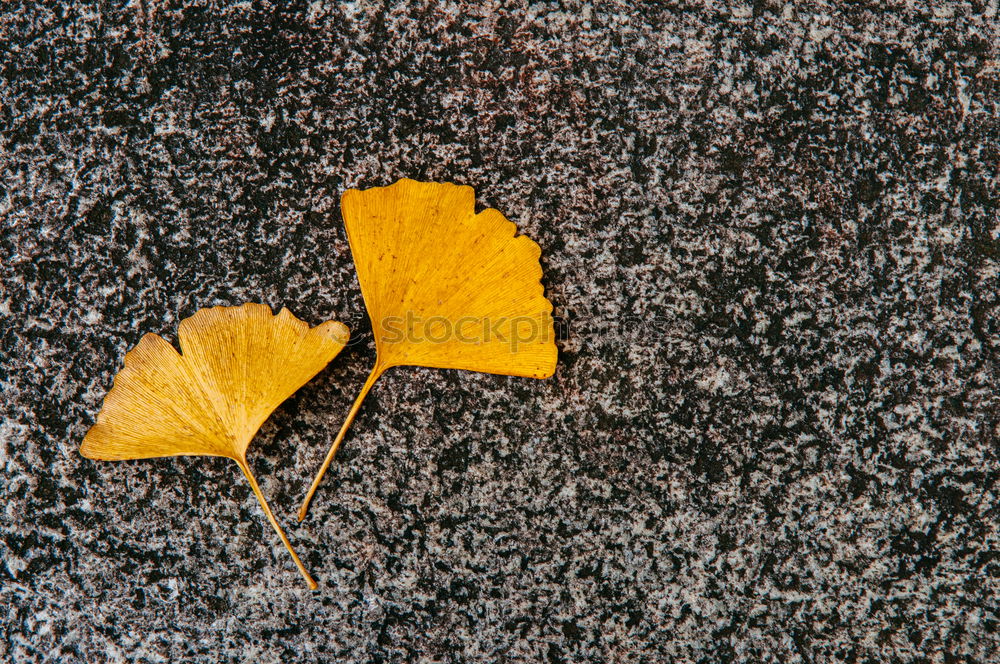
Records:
x=445, y=287
x=236, y=365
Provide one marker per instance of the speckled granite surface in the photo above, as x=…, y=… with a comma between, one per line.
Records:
x=772, y=231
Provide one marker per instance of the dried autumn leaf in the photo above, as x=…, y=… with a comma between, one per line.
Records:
x=445, y=287
x=236, y=365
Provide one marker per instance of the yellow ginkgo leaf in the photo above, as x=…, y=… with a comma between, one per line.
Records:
x=445, y=287
x=236, y=365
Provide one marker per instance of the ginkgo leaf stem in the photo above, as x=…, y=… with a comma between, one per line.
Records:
x=377, y=371
x=274, y=522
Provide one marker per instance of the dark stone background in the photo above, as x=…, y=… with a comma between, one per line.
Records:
x=772, y=231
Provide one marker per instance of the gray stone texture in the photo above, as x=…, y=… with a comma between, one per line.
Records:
x=771, y=231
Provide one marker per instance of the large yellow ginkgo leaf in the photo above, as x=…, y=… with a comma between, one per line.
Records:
x=445, y=287
x=236, y=365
